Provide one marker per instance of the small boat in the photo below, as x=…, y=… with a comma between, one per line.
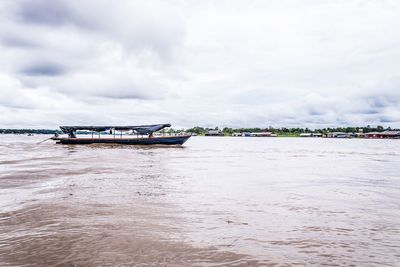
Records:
x=139, y=135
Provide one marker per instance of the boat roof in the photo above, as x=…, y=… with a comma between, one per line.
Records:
x=141, y=129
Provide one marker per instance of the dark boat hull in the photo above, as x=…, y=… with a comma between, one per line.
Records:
x=164, y=140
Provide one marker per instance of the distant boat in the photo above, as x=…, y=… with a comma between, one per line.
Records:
x=144, y=135
x=30, y=134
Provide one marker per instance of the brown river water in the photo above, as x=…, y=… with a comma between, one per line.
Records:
x=216, y=201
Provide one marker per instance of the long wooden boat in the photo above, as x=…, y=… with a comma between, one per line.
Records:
x=140, y=135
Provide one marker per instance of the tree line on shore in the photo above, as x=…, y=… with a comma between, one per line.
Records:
x=29, y=131
x=291, y=131
x=229, y=131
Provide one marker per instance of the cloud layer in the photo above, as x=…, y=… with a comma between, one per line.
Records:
x=227, y=63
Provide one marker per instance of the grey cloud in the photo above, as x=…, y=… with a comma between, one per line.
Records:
x=317, y=112
x=135, y=25
x=370, y=111
x=125, y=95
x=18, y=42
x=385, y=119
x=44, y=70
x=46, y=12
x=378, y=101
x=381, y=101
x=15, y=106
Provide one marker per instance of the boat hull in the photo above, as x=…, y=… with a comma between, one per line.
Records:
x=164, y=140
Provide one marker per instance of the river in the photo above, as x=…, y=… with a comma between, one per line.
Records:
x=216, y=201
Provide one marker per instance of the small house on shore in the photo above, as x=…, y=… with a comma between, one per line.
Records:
x=261, y=134
x=256, y=134
x=310, y=135
x=214, y=133
x=385, y=134
x=338, y=135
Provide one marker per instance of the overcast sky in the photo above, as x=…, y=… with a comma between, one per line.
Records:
x=209, y=63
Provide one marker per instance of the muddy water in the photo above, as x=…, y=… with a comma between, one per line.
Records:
x=214, y=202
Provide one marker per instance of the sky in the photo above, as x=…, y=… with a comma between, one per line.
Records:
x=299, y=63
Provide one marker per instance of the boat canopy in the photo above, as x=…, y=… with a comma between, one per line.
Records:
x=142, y=129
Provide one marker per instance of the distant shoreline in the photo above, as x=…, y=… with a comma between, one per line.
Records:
x=338, y=132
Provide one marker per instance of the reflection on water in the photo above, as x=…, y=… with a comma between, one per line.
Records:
x=214, y=202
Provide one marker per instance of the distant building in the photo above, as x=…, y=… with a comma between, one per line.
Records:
x=338, y=135
x=261, y=134
x=310, y=135
x=385, y=134
x=359, y=134
x=214, y=133
x=258, y=134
